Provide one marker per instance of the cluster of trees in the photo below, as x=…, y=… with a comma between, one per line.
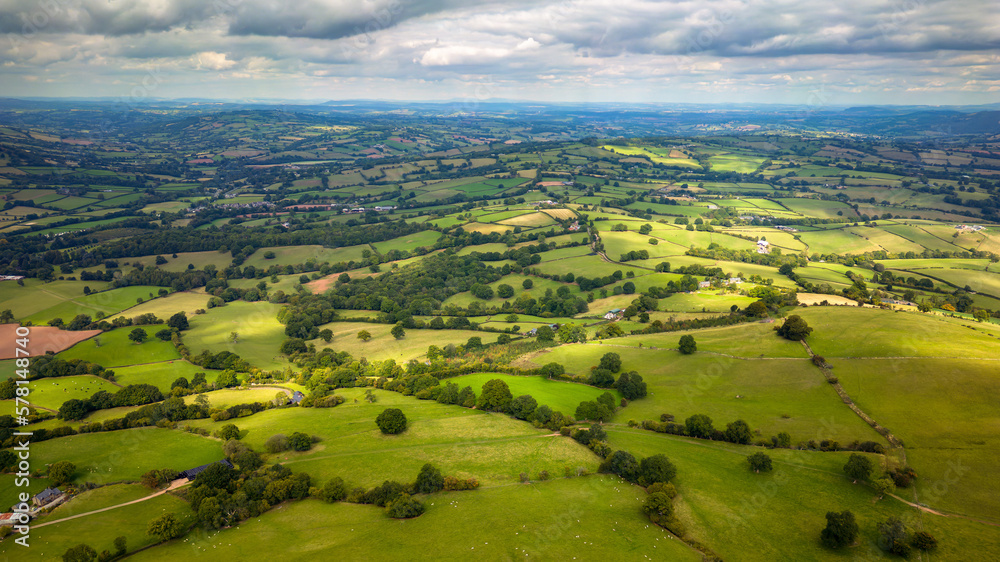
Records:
x=700, y=426
x=894, y=537
x=45, y=366
x=131, y=395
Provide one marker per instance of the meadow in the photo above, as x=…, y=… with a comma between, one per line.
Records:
x=383, y=345
x=256, y=323
x=114, y=349
x=561, y=396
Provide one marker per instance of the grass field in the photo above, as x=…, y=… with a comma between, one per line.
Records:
x=97, y=498
x=99, y=531
x=409, y=242
x=165, y=307
x=260, y=333
x=383, y=345
x=36, y=296
x=114, y=349
x=117, y=456
x=772, y=395
x=292, y=255
x=493, y=448
x=162, y=374
x=108, y=302
x=52, y=392
x=733, y=510
x=560, y=396
x=867, y=332
x=595, y=518
x=198, y=259
x=233, y=396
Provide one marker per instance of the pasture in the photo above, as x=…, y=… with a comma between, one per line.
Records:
x=114, y=349
x=256, y=323
x=383, y=345
x=51, y=392
x=561, y=396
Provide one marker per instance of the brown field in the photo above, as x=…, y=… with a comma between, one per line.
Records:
x=41, y=340
x=560, y=214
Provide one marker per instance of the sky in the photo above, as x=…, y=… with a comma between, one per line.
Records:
x=805, y=52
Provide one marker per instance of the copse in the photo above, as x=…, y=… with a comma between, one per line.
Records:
x=391, y=421
x=496, y=396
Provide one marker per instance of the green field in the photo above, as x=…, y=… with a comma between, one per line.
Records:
x=595, y=515
x=36, y=296
x=383, y=345
x=114, y=349
x=162, y=374
x=260, y=334
x=165, y=307
x=410, y=242
x=493, y=448
x=52, y=392
x=559, y=395
x=107, y=302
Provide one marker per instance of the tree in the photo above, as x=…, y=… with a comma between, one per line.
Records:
x=841, y=529
x=621, y=463
x=227, y=379
x=229, y=431
x=794, y=328
x=527, y=284
x=611, y=361
x=656, y=468
x=164, y=527
x=121, y=545
x=138, y=335
x=160, y=260
x=61, y=472
x=364, y=335
x=397, y=331
x=756, y=309
x=545, y=333
x=276, y=443
x=404, y=507
x=659, y=507
x=924, y=541
x=570, y=333
x=687, y=345
x=391, y=421
x=334, y=490
x=292, y=346
x=738, y=432
x=505, y=291
x=858, y=467
x=429, y=480
x=523, y=406
x=178, y=321
x=496, y=396
x=893, y=537
x=299, y=441
x=80, y=553
x=759, y=462
x=326, y=335
x=164, y=335
x=699, y=425
x=210, y=513
x=631, y=385
x=883, y=486
x=602, y=377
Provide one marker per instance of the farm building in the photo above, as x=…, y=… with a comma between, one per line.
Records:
x=7, y=519
x=297, y=397
x=763, y=247
x=613, y=314
x=46, y=496
x=192, y=472
x=704, y=284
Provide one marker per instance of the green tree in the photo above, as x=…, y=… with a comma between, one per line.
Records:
x=841, y=529
x=61, y=472
x=276, y=443
x=364, y=335
x=397, y=331
x=631, y=385
x=164, y=527
x=138, y=335
x=178, y=321
x=893, y=537
x=121, y=545
x=611, y=361
x=80, y=553
x=505, y=291
x=391, y=421
x=687, y=345
x=164, y=335
x=496, y=396
x=299, y=441
x=326, y=335
x=759, y=462
x=659, y=507
x=699, y=425
x=656, y=468
x=234, y=337
x=794, y=328
x=229, y=431
x=621, y=463
x=858, y=467
x=570, y=333
x=883, y=486
x=404, y=507
x=334, y=490
x=523, y=406
x=923, y=540
x=545, y=333
x=210, y=513
x=527, y=284
x=429, y=480
x=738, y=432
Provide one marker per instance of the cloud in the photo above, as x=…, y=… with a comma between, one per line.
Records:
x=210, y=60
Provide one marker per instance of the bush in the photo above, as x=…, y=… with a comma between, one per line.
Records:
x=391, y=421
x=276, y=443
x=404, y=507
x=657, y=468
x=334, y=490
x=429, y=480
x=924, y=541
x=300, y=441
